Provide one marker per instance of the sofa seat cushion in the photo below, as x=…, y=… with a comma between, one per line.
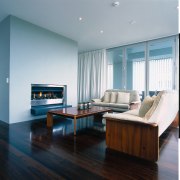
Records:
x=123, y=116
x=96, y=100
x=134, y=112
x=101, y=104
x=116, y=105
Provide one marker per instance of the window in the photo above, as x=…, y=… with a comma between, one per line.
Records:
x=161, y=64
x=139, y=75
x=115, y=68
x=135, y=67
x=147, y=67
x=110, y=76
x=160, y=74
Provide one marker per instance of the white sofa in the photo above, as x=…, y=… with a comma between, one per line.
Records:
x=119, y=100
x=139, y=136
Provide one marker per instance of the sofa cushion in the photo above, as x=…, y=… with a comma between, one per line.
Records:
x=123, y=116
x=103, y=104
x=117, y=105
x=146, y=105
x=123, y=98
x=107, y=96
x=154, y=106
x=113, y=98
x=96, y=100
x=134, y=112
x=134, y=96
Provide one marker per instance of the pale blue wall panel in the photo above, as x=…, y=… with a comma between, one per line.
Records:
x=39, y=56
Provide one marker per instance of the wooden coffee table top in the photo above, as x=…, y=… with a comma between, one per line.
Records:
x=75, y=112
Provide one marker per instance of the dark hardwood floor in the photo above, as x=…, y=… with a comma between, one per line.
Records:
x=29, y=150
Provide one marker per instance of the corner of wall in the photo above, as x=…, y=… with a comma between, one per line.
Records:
x=4, y=68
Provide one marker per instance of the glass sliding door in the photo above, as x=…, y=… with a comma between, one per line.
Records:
x=148, y=67
x=161, y=65
x=115, y=68
x=135, y=68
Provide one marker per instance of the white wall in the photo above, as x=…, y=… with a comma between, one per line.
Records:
x=38, y=56
x=4, y=69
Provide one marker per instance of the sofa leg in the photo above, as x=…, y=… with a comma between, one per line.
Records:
x=140, y=140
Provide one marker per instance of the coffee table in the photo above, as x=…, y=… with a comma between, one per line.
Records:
x=75, y=113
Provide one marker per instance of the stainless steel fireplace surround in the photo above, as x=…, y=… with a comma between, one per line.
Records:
x=45, y=97
x=46, y=94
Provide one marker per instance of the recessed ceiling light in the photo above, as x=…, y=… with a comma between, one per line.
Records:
x=115, y=4
x=101, y=31
x=80, y=18
x=132, y=22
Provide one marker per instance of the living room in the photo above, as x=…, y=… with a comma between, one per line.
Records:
x=48, y=43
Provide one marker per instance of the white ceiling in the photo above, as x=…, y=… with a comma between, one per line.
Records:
x=154, y=19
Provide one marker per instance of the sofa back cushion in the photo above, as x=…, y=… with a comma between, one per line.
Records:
x=154, y=106
x=107, y=96
x=123, y=98
x=146, y=105
x=166, y=109
x=134, y=94
x=113, y=98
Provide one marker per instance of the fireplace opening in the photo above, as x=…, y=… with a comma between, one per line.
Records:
x=45, y=97
x=46, y=94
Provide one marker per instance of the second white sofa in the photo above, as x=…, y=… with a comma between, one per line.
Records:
x=119, y=100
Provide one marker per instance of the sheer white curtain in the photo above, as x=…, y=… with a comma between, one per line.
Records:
x=92, y=75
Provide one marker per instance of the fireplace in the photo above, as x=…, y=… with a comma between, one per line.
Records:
x=46, y=97
x=46, y=94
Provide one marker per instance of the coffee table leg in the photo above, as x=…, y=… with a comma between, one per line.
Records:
x=49, y=120
x=74, y=125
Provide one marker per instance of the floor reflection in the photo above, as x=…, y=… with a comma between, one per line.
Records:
x=62, y=129
x=65, y=126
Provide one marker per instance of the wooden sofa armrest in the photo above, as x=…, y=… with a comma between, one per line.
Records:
x=133, y=138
